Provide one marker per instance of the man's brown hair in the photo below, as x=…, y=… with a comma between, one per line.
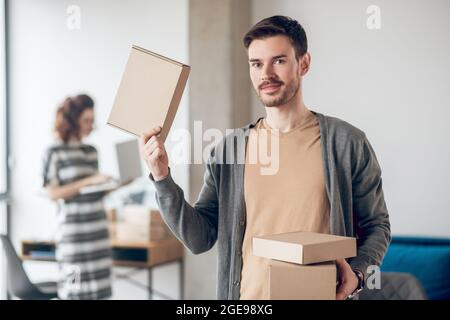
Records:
x=279, y=25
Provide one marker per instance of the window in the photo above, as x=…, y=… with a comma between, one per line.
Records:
x=3, y=147
x=3, y=127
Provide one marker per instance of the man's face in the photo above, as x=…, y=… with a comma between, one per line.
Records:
x=274, y=70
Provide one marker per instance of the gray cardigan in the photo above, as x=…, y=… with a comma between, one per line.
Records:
x=353, y=185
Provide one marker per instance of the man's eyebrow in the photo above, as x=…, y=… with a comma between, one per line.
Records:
x=280, y=56
x=273, y=58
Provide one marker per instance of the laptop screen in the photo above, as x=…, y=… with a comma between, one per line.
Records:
x=129, y=160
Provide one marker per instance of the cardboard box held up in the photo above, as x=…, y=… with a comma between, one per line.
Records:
x=302, y=264
x=149, y=93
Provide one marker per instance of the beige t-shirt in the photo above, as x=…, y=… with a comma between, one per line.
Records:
x=292, y=199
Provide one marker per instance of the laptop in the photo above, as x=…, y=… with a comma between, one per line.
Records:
x=129, y=162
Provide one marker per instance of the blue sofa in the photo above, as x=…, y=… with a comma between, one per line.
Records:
x=428, y=259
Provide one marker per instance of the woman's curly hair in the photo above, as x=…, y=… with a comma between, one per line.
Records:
x=68, y=116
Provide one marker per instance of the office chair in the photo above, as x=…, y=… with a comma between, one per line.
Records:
x=396, y=286
x=19, y=285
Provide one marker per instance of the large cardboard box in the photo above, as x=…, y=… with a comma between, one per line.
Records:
x=149, y=93
x=132, y=232
x=123, y=231
x=288, y=281
x=304, y=247
x=142, y=215
x=140, y=224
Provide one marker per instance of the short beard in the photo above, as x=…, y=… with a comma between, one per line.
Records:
x=286, y=96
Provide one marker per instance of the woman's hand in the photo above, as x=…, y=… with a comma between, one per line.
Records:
x=72, y=189
x=96, y=179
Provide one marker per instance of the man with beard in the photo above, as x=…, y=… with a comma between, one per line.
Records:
x=328, y=178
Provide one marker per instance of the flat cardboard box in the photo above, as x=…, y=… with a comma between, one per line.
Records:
x=288, y=281
x=149, y=93
x=304, y=247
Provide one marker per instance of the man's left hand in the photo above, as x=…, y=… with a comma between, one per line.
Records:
x=348, y=281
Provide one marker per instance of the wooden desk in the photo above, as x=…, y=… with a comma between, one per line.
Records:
x=137, y=255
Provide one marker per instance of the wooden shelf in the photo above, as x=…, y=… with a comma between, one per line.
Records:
x=30, y=258
x=145, y=254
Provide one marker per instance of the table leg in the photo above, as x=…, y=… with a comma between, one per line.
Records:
x=181, y=267
x=150, y=283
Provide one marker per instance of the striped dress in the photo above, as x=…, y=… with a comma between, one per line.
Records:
x=82, y=244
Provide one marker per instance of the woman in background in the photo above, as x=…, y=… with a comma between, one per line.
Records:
x=82, y=243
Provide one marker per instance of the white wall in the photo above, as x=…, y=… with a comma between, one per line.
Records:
x=49, y=61
x=393, y=84
x=2, y=100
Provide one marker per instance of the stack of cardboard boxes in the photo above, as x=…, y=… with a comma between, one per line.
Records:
x=302, y=264
x=140, y=224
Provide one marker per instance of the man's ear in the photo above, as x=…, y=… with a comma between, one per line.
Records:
x=304, y=63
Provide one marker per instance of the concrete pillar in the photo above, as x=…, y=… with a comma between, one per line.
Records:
x=219, y=96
